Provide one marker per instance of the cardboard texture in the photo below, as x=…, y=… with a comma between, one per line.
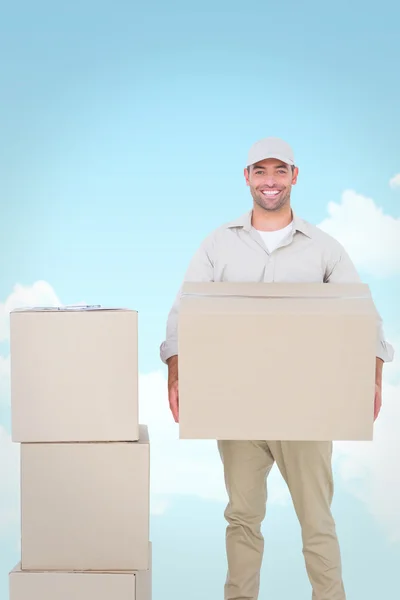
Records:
x=85, y=506
x=74, y=375
x=277, y=361
x=74, y=585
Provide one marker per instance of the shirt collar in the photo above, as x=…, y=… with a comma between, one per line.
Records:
x=244, y=222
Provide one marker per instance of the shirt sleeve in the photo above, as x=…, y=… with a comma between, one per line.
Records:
x=200, y=269
x=340, y=269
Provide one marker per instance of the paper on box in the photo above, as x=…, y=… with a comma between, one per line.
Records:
x=277, y=361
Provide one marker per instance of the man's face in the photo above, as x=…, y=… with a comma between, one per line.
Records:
x=270, y=183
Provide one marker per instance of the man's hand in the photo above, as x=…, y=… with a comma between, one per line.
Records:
x=173, y=391
x=378, y=401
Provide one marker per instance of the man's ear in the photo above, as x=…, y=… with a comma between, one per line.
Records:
x=295, y=175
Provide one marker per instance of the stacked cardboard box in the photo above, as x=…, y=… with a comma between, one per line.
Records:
x=85, y=459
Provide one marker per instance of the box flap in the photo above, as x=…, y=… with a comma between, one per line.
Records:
x=277, y=290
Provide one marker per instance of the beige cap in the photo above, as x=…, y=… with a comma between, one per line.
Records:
x=270, y=147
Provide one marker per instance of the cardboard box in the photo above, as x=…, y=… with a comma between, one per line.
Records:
x=80, y=585
x=277, y=361
x=85, y=506
x=74, y=375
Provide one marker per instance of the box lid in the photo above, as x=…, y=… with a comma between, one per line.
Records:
x=277, y=290
x=224, y=298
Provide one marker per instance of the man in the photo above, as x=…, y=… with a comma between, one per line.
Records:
x=271, y=243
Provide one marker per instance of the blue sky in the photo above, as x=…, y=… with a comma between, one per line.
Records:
x=124, y=133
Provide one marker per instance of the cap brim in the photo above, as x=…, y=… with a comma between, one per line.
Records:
x=277, y=156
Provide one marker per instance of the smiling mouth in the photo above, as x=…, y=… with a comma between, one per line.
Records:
x=270, y=193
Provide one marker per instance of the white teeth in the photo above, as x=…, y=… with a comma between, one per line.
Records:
x=272, y=193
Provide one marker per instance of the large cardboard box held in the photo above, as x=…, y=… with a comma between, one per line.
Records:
x=74, y=375
x=78, y=585
x=277, y=361
x=85, y=506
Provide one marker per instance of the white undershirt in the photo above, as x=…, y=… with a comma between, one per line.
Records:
x=272, y=239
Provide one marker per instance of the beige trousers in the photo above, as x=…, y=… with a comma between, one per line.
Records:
x=307, y=470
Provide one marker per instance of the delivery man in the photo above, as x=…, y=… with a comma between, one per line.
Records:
x=270, y=243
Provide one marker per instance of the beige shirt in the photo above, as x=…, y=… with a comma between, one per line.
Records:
x=236, y=252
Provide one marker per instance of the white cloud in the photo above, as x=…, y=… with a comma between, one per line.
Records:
x=4, y=380
x=370, y=470
x=371, y=237
x=391, y=371
x=39, y=294
x=395, y=181
x=9, y=478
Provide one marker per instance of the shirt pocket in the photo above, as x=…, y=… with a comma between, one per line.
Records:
x=243, y=270
x=306, y=269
